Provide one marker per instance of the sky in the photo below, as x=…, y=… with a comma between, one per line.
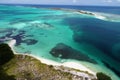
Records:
x=66, y=2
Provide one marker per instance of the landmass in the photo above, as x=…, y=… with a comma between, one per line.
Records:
x=25, y=67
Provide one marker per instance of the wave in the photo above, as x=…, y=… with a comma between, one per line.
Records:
x=107, y=17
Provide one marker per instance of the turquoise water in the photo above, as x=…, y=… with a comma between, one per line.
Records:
x=62, y=36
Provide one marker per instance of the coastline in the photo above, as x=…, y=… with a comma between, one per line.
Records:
x=98, y=15
x=83, y=12
x=70, y=64
x=53, y=61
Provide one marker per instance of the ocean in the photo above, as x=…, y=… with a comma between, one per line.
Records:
x=62, y=34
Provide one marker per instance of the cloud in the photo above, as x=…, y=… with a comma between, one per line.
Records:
x=118, y=0
x=74, y=1
x=108, y=1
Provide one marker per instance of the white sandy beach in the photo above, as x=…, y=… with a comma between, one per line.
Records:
x=71, y=64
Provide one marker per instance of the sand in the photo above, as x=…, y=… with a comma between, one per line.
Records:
x=70, y=64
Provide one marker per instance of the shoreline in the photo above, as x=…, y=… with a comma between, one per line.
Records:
x=83, y=12
x=97, y=15
x=71, y=64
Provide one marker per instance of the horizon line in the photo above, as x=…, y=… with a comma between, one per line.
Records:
x=56, y=4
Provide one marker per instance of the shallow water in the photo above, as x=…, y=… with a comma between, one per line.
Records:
x=41, y=31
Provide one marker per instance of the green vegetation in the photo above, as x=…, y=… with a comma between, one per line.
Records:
x=4, y=76
x=26, y=67
x=5, y=53
x=23, y=67
x=102, y=76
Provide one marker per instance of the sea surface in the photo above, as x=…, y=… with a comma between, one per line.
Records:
x=63, y=34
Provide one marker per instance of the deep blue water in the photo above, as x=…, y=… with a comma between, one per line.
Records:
x=104, y=9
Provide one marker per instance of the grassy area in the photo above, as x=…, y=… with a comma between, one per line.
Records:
x=26, y=67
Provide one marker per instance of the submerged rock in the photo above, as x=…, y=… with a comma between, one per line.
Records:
x=30, y=41
x=66, y=52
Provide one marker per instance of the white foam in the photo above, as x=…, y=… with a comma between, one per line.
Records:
x=12, y=43
x=19, y=25
x=100, y=16
x=107, y=17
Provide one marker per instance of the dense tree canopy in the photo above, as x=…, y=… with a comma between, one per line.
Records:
x=5, y=53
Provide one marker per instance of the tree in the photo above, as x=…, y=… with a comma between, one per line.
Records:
x=5, y=53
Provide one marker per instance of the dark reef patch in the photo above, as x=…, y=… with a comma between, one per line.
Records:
x=19, y=36
x=117, y=72
x=99, y=33
x=64, y=51
x=7, y=33
x=30, y=41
